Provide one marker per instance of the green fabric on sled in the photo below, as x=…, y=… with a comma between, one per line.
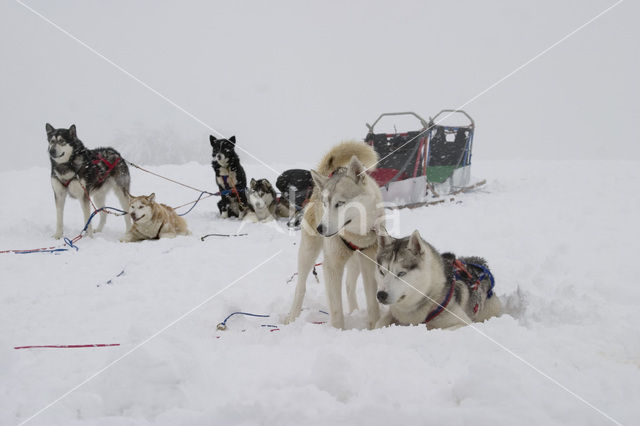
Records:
x=439, y=174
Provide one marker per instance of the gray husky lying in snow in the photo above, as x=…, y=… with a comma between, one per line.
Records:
x=422, y=286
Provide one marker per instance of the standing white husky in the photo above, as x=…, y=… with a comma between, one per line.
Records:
x=422, y=286
x=341, y=217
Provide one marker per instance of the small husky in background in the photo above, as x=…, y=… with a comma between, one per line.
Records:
x=422, y=286
x=296, y=186
x=152, y=220
x=262, y=201
x=230, y=177
x=84, y=173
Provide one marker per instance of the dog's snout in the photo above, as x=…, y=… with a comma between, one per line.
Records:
x=320, y=229
x=382, y=296
x=52, y=152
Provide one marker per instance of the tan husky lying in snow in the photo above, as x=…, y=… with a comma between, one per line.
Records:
x=152, y=220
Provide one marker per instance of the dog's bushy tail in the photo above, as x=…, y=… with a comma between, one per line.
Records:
x=340, y=155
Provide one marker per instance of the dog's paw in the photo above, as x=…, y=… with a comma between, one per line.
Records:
x=224, y=215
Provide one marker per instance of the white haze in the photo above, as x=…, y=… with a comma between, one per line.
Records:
x=292, y=78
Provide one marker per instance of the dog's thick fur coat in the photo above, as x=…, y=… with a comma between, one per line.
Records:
x=230, y=176
x=83, y=173
x=345, y=208
x=415, y=279
x=152, y=220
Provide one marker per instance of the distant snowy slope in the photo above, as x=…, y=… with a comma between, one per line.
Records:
x=562, y=239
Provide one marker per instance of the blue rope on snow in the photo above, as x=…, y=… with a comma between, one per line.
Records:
x=105, y=209
x=223, y=324
x=196, y=202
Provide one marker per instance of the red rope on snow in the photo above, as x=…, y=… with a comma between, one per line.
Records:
x=95, y=345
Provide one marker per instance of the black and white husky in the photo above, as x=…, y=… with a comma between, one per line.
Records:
x=262, y=201
x=421, y=286
x=230, y=177
x=84, y=173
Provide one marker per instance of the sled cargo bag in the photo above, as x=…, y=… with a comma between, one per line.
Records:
x=401, y=172
x=449, y=152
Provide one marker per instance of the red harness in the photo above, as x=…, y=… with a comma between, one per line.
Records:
x=110, y=167
x=443, y=305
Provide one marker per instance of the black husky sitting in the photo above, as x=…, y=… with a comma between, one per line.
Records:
x=84, y=173
x=296, y=186
x=230, y=177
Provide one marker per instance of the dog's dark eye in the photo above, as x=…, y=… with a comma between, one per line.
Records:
x=381, y=272
x=339, y=204
x=401, y=274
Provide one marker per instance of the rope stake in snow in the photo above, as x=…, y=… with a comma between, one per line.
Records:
x=223, y=325
x=93, y=345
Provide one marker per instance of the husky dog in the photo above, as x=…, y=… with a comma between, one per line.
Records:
x=296, y=186
x=230, y=177
x=84, y=173
x=340, y=219
x=422, y=286
x=152, y=220
x=262, y=201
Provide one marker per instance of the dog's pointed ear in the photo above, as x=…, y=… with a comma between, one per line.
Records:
x=415, y=243
x=212, y=139
x=356, y=169
x=384, y=239
x=252, y=183
x=232, y=139
x=72, y=132
x=152, y=197
x=49, y=129
x=318, y=179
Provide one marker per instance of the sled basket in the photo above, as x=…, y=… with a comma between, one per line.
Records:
x=449, y=152
x=435, y=155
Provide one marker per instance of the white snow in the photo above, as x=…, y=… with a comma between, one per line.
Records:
x=561, y=238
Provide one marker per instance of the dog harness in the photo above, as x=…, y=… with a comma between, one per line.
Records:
x=66, y=184
x=460, y=272
x=442, y=305
x=110, y=166
x=231, y=188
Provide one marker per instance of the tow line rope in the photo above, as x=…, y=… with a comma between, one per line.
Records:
x=91, y=345
x=223, y=325
x=69, y=243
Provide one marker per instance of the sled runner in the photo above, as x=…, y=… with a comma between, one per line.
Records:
x=434, y=159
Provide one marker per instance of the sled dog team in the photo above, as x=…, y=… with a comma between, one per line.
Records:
x=339, y=208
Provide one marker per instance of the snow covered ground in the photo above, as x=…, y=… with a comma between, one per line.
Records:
x=561, y=238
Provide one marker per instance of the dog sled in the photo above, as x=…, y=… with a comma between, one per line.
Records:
x=420, y=167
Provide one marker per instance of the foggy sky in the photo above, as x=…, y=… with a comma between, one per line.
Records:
x=291, y=78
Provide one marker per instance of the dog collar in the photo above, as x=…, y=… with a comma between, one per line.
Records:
x=352, y=246
x=441, y=307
